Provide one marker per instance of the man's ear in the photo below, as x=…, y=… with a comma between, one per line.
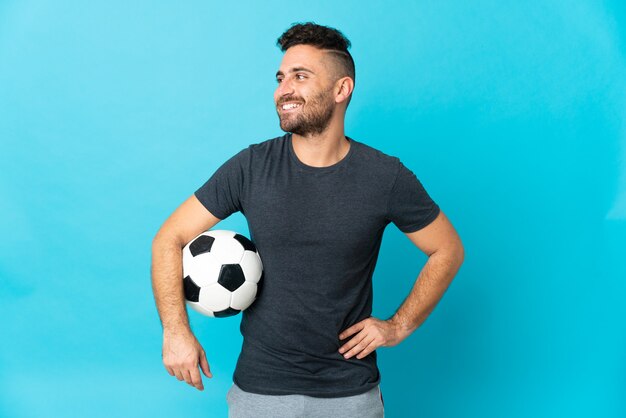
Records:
x=343, y=88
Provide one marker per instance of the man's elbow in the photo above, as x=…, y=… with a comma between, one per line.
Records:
x=165, y=238
x=460, y=253
x=453, y=251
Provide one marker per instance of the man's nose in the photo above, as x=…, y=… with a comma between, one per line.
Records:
x=285, y=88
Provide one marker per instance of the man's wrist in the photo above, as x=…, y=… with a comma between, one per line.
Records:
x=402, y=326
x=176, y=330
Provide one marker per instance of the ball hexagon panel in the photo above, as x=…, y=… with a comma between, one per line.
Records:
x=214, y=297
x=199, y=308
x=243, y=296
x=220, y=233
x=204, y=270
x=251, y=265
x=227, y=250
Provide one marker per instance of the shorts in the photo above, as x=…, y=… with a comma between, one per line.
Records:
x=242, y=404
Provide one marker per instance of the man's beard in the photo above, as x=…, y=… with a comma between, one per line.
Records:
x=312, y=118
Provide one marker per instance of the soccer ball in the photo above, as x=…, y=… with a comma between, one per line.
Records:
x=222, y=272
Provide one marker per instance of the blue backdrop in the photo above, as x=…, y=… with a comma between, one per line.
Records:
x=512, y=114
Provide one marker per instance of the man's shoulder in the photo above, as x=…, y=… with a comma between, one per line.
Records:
x=375, y=157
x=267, y=143
x=259, y=150
x=263, y=148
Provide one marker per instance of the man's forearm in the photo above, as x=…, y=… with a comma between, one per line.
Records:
x=431, y=284
x=167, y=285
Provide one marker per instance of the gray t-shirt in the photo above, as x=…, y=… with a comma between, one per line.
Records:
x=318, y=231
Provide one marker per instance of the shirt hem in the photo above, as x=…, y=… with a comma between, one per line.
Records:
x=335, y=394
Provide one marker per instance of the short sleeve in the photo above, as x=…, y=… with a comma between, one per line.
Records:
x=410, y=207
x=221, y=193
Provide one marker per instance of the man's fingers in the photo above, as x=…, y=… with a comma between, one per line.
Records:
x=187, y=374
x=354, y=328
x=352, y=343
x=182, y=356
x=371, y=347
x=359, y=347
x=204, y=364
x=196, y=379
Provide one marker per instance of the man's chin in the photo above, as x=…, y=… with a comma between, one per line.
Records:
x=289, y=128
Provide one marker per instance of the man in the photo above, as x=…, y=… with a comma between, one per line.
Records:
x=317, y=203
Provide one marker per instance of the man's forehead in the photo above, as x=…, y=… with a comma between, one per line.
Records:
x=303, y=57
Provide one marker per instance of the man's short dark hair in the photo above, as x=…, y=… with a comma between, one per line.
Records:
x=323, y=37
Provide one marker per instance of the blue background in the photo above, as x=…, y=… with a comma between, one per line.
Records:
x=512, y=114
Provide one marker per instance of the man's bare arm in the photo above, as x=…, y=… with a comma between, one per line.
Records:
x=445, y=253
x=167, y=288
x=182, y=352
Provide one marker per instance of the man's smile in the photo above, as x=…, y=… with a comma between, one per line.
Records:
x=290, y=106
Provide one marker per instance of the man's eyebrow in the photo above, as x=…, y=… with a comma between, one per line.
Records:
x=293, y=70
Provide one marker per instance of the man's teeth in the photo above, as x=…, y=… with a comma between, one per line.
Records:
x=290, y=106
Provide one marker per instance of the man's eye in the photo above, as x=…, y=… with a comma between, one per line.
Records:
x=298, y=76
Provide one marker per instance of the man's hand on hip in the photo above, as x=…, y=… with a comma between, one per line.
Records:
x=182, y=354
x=371, y=333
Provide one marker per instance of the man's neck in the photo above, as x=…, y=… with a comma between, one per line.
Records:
x=321, y=150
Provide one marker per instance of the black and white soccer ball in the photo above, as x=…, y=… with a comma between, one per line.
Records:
x=222, y=273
